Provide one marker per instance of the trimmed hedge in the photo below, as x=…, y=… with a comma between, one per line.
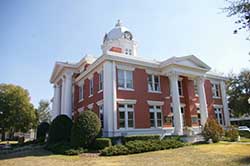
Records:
x=85, y=129
x=140, y=146
x=212, y=130
x=60, y=129
x=140, y=137
x=101, y=143
x=42, y=130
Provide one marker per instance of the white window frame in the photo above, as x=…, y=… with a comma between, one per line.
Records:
x=126, y=110
x=198, y=112
x=124, y=73
x=217, y=111
x=101, y=115
x=155, y=110
x=153, y=83
x=215, y=89
x=180, y=88
x=91, y=87
x=100, y=81
x=81, y=92
x=183, y=114
x=196, y=92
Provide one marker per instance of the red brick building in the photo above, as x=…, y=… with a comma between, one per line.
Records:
x=133, y=95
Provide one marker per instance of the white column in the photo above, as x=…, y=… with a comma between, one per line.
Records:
x=178, y=125
x=202, y=99
x=225, y=104
x=62, y=95
x=56, y=101
x=68, y=94
x=109, y=98
x=53, y=113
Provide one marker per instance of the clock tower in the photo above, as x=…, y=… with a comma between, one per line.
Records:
x=119, y=40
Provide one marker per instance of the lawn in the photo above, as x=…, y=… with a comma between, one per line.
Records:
x=222, y=154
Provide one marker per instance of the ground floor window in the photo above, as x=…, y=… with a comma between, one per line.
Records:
x=182, y=113
x=155, y=116
x=101, y=114
x=198, y=115
x=126, y=114
x=218, y=115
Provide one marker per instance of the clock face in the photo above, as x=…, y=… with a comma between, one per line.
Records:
x=127, y=35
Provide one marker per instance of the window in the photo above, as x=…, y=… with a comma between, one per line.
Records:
x=218, y=115
x=182, y=113
x=101, y=114
x=216, y=90
x=128, y=51
x=198, y=115
x=180, y=88
x=125, y=79
x=196, y=87
x=101, y=80
x=126, y=113
x=155, y=116
x=81, y=93
x=153, y=83
x=91, y=86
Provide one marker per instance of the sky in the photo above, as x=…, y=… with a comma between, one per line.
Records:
x=34, y=34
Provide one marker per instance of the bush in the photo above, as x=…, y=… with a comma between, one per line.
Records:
x=232, y=134
x=21, y=140
x=101, y=143
x=140, y=146
x=212, y=130
x=59, y=148
x=42, y=130
x=77, y=151
x=85, y=129
x=245, y=134
x=60, y=129
x=115, y=150
x=140, y=137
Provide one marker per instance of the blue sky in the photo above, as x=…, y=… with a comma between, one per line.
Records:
x=35, y=34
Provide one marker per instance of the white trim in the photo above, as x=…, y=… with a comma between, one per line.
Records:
x=126, y=101
x=157, y=103
x=217, y=106
x=127, y=89
x=181, y=104
x=90, y=106
x=100, y=91
x=150, y=91
x=125, y=67
x=81, y=109
x=153, y=72
x=100, y=102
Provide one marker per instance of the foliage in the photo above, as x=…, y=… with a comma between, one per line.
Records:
x=140, y=146
x=77, y=151
x=141, y=137
x=85, y=129
x=244, y=134
x=212, y=130
x=241, y=9
x=58, y=147
x=232, y=134
x=42, y=130
x=16, y=111
x=238, y=89
x=60, y=129
x=101, y=143
x=43, y=111
x=115, y=150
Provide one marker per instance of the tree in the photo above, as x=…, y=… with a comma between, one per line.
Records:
x=16, y=111
x=43, y=111
x=212, y=130
x=241, y=9
x=238, y=90
x=42, y=130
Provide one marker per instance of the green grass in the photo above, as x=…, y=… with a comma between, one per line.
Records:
x=222, y=154
x=243, y=139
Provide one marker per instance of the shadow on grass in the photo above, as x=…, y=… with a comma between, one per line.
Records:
x=244, y=160
x=27, y=153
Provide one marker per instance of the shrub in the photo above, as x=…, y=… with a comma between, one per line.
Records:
x=60, y=129
x=212, y=130
x=244, y=134
x=77, y=151
x=140, y=146
x=85, y=129
x=140, y=137
x=42, y=130
x=101, y=143
x=232, y=134
x=115, y=150
x=59, y=148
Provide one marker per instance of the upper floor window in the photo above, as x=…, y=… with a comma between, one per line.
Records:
x=126, y=114
x=153, y=83
x=81, y=93
x=180, y=88
x=128, y=51
x=91, y=86
x=155, y=116
x=125, y=79
x=216, y=90
x=101, y=80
